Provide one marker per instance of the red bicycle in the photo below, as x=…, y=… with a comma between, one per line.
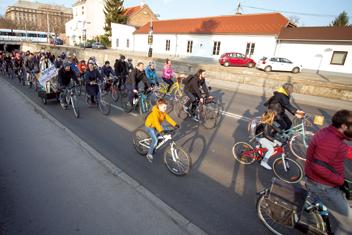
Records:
x=284, y=168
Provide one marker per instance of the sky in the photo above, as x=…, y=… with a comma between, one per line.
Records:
x=325, y=10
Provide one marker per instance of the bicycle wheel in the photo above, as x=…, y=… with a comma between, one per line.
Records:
x=209, y=115
x=239, y=151
x=178, y=108
x=177, y=161
x=299, y=144
x=115, y=92
x=138, y=136
x=78, y=90
x=293, y=172
x=144, y=107
x=104, y=105
x=75, y=108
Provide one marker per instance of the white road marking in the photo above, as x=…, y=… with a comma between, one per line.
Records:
x=121, y=109
x=235, y=116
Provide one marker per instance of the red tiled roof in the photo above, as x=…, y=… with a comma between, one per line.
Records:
x=132, y=10
x=317, y=34
x=258, y=24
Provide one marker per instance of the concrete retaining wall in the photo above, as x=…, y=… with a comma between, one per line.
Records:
x=303, y=85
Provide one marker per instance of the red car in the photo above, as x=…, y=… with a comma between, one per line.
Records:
x=236, y=59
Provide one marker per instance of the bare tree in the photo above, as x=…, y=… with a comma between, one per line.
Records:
x=7, y=23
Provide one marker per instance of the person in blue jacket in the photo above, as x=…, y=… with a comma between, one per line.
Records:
x=151, y=74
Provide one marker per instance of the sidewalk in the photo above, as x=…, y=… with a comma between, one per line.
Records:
x=50, y=184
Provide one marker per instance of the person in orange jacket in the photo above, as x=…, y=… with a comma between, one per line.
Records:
x=154, y=124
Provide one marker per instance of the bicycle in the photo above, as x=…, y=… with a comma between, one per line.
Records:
x=298, y=135
x=176, y=159
x=292, y=210
x=206, y=112
x=19, y=75
x=102, y=98
x=286, y=169
x=31, y=79
x=69, y=94
x=140, y=101
x=176, y=89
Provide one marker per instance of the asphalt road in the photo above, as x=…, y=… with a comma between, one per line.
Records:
x=219, y=194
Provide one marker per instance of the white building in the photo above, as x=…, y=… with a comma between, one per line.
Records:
x=88, y=18
x=252, y=34
x=322, y=49
x=122, y=36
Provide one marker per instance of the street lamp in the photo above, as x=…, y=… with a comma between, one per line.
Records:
x=150, y=35
x=84, y=31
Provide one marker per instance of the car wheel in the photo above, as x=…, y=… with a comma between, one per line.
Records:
x=295, y=70
x=226, y=64
x=250, y=65
x=267, y=69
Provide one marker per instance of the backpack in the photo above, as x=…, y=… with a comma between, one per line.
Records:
x=186, y=80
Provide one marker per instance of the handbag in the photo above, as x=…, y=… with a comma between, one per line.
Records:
x=347, y=185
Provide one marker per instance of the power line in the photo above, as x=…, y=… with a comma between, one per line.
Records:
x=290, y=12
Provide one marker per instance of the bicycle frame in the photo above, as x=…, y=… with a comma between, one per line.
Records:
x=146, y=142
x=300, y=128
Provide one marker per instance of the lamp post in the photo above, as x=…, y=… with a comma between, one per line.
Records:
x=150, y=34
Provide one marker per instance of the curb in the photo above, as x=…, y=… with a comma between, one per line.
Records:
x=175, y=216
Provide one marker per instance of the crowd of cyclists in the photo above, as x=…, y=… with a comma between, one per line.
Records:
x=327, y=148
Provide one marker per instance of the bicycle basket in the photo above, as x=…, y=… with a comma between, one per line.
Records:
x=252, y=126
x=286, y=202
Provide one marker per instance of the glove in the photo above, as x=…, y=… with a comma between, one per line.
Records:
x=177, y=126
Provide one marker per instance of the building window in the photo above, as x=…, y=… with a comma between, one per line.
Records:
x=128, y=43
x=250, y=49
x=189, y=46
x=117, y=42
x=167, y=45
x=338, y=57
x=216, y=48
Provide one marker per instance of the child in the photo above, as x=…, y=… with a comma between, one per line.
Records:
x=265, y=133
x=154, y=125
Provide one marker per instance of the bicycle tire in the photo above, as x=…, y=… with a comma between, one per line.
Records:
x=238, y=149
x=178, y=108
x=209, y=115
x=139, y=135
x=183, y=163
x=75, y=108
x=292, y=166
x=104, y=106
x=115, y=93
x=297, y=147
x=274, y=227
x=147, y=106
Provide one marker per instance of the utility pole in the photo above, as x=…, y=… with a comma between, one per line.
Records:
x=238, y=8
x=47, y=23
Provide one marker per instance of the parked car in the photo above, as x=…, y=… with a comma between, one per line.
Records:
x=58, y=41
x=85, y=45
x=236, y=59
x=98, y=45
x=278, y=64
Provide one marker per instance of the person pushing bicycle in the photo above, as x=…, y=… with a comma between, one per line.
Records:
x=155, y=124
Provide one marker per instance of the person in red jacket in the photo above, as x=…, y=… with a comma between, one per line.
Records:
x=325, y=168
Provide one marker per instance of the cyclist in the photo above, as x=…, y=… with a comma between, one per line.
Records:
x=136, y=76
x=151, y=74
x=65, y=75
x=122, y=70
x=129, y=65
x=8, y=62
x=91, y=78
x=19, y=66
x=280, y=102
x=168, y=74
x=193, y=85
x=154, y=124
x=107, y=69
x=324, y=168
x=265, y=133
x=2, y=60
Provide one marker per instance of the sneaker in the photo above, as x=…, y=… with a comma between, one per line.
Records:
x=150, y=157
x=186, y=109
x=265, y=165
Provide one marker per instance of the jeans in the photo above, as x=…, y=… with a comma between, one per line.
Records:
x=334, y=199
x=265, y=143
x=192, y=100
x=153, y=134
x=284, y=121
x=130, y=92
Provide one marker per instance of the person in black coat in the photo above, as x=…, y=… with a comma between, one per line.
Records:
x=65, y=75
x=280, y=102
x=91, y=78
